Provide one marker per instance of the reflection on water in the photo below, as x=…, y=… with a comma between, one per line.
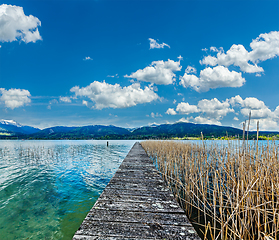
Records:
x=48, y=187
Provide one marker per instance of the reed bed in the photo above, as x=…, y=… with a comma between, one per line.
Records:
x=228, y=191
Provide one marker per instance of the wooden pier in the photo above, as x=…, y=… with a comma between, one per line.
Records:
x=136, y=204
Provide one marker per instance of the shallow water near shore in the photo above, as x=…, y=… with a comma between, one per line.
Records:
x=48, y=187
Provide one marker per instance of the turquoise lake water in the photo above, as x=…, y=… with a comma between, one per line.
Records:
x=48, y=187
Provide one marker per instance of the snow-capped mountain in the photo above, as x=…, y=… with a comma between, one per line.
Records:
x=14, y=127
x=10, y=122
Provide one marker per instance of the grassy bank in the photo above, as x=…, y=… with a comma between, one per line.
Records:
x=229, y=192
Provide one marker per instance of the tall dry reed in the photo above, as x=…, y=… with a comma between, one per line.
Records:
x=229, y=191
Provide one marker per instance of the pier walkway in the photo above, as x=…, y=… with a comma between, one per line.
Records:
x=136, y=204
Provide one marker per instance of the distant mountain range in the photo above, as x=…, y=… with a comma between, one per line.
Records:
x=10, y=129
x=11, y=126
x=86, y=132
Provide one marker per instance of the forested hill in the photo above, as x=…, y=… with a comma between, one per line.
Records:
x=86, y=132
x=164, y=131
x=181, y=130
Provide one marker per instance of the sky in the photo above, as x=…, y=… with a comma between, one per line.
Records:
x=136, y=63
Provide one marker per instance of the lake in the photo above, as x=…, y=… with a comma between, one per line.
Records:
x=48, y=187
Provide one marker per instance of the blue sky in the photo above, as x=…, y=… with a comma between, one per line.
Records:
x=134, y=63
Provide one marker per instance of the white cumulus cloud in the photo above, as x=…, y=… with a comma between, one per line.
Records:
x=215, y=49
x=190, y=69
x=14, y=98
x=214, y=108
x=65, y=99
x=87, y=58
x=264, y=47
x=158, y=72
x=154, y=44
x=212, y=111
x=236, y=118
x=257, y=107
x=106, y=95
x=211, y=78
x=85, y=103
x=266, y=124
x=15, y=25
x=268, y=119
x=276, y=111
x=171, y=111
x=206, y=120
x=186, y=108
x=200, y=120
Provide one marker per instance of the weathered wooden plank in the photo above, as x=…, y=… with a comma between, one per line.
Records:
x=148, y=206
x=138, y=174
x=138, y=217
x=134, y=230
x=85, y=237
x=138, y=192
x=134, y=180
x=134, y=196
x=136, y=204
x=156, y=186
